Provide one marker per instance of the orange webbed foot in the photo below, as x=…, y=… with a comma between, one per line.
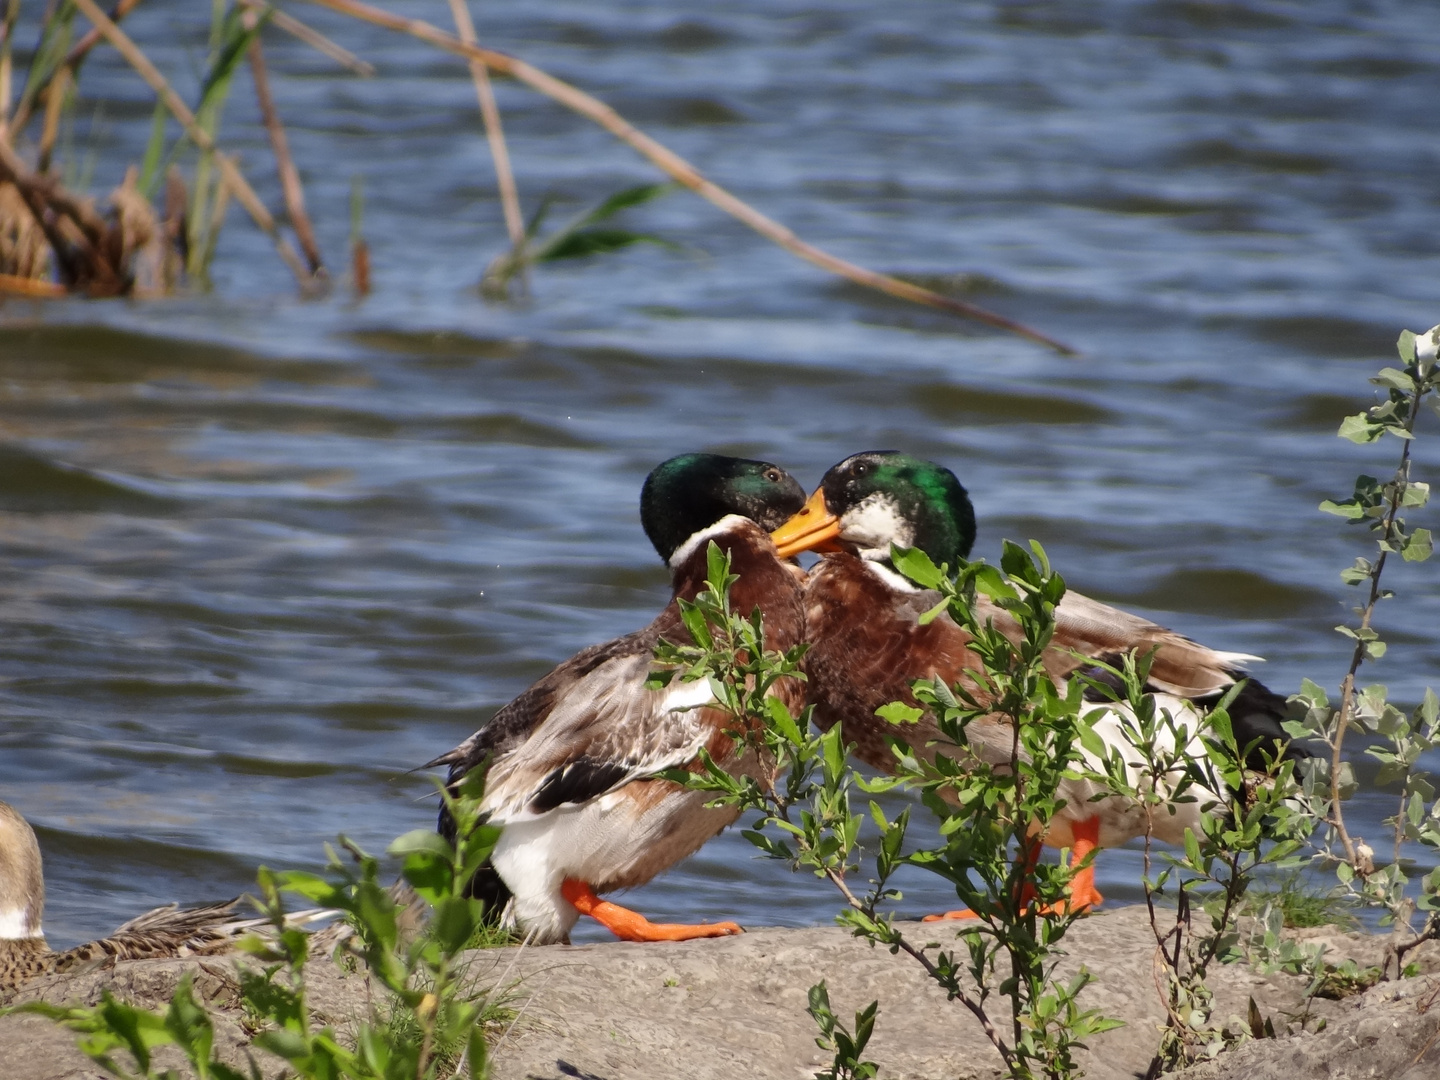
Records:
x=630, y=925
x=951, y=916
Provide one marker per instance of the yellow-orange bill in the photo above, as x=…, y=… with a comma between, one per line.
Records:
x=811, y=526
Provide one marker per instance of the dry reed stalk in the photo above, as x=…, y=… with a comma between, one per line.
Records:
x=360, y=266
x=494, y=133
x=290, y=186
x=201, y=138
x=24, y=252
x=79, y=238
x=175, y=228
x=73, y=58
x=678, y=169
x=223, y=192
x=312, y=37
x=7, y=34
x=54, y=106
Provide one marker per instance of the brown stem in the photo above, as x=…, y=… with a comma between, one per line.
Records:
x=290, y=186
x=1347, y=685
x=69, y=66
x=198, y=135
x=54, y=105
x=7, y=34
x=681, y=171
x=75, y=232
x=934, y=972
x=494, y=133
x=312, y=37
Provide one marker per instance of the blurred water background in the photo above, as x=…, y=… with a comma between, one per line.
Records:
x=259, y=556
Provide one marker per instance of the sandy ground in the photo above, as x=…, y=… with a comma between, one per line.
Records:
x=735, y=1007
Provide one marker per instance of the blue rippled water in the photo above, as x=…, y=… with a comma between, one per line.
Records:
x=260, y=556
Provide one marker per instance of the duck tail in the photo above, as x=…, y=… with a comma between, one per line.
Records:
x=490, y=889
x=486, y=885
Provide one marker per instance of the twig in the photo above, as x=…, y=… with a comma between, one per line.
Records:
x=7, y=34
x=201, y=138
x=70, y=65
x=312, y=37
x=680, y=170
x=1347, y=685
x=290, y=186
x=951, y=985
x=494, y=133
x=54, y=104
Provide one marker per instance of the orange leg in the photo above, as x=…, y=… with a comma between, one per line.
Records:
x=1032, y=856
x=630, y=925
x=1083, y=893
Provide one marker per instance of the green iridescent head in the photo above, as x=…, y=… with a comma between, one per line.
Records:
x=882, y=497
x=694, y=491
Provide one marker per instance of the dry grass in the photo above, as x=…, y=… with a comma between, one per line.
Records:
x=133, y=250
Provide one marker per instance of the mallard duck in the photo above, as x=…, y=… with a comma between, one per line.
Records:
x=573, y=759
x=24, y=954
x=867, y=645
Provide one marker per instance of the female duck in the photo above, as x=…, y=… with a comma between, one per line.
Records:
x=24, y=954
x=574, y=758
x=868, y=646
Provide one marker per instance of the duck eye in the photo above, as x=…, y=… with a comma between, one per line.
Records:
x=773, y=475
x=861, y=468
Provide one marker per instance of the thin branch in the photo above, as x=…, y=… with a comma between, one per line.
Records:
x=494, y=133
x=1347, y=685
x=312, y=37
x=70, y=65
x=898, y=939
x=198, y=135
x=7, y=35
x=680, y=170
x=54, y=105
x=290, y=185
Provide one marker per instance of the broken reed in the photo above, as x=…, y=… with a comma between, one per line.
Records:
x=54, y=242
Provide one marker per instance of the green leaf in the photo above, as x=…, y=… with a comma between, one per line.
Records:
x=897, y=712
x=917, y=566
x=576, y=238
x=1394, y=379
x=1418, y=546
x=1192, y=849
x=1359, y=429
x=927, y=617
x=139, y=1029
x=421, y=840
x=454, y=923
x=1350, y=510
x=586, y=242
x=989, y=581
x=1416, y=494
x=783, y=722
x=1406, y=346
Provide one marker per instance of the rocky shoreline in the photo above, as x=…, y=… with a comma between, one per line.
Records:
x=735, y=1007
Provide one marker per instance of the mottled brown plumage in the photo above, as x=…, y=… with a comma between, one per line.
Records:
x=574, y=758
x=867, y=647
x=24, y=954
